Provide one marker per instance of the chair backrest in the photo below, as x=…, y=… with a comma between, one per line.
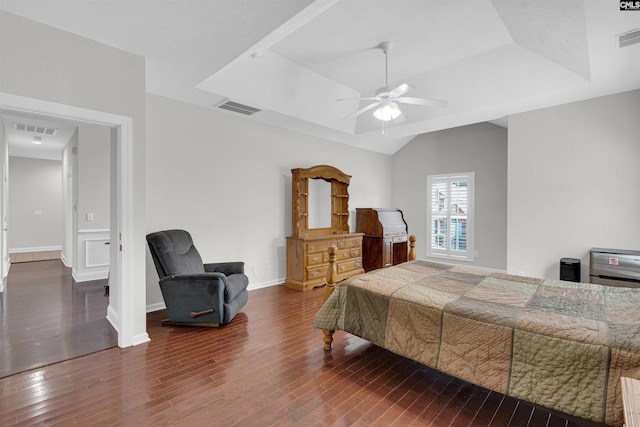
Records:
x=173, y=252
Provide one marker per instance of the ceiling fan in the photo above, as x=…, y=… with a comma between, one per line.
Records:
x=387, y=99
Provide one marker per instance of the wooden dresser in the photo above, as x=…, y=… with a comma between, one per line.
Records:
x=307, y=247
x=308, y=259
x=386, y=239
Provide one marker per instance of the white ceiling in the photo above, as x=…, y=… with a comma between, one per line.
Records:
x=21, y=140
x=293, y=58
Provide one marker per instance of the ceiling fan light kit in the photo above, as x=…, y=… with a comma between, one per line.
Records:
x=387, y=99
x=387, y=111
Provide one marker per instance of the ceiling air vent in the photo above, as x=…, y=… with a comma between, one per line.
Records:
x=629, y=38
x=239, y=108
x=34, y=128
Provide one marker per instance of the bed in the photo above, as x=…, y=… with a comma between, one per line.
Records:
x=561, y=345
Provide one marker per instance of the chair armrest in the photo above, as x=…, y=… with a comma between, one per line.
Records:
x=206, y=276
x=227, y=268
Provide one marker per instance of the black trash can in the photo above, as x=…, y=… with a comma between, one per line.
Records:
x=570, y=269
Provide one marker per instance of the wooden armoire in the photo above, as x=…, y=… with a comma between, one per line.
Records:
x=307, y=247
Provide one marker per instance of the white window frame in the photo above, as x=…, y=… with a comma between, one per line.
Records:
x=447, y=253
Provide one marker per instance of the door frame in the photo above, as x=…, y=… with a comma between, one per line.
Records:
x=122, y=315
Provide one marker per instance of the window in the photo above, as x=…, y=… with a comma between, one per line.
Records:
x=450, y=216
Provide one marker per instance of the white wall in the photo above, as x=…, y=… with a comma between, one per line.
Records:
x=91, y=164
x=94, y=154
x=227, y=180
x=479, y=148
x=44, y=63
x=35, y=204
x=574, y=173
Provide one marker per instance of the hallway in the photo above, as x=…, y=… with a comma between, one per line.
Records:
x=45, y=317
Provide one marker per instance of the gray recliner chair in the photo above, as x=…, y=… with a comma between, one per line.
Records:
x=195, y=293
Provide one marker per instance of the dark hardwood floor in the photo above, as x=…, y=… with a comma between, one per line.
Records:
x=45, y=317
x=266, y=368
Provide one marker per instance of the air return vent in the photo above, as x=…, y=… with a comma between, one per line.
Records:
x=34, y=128
x=629, y=38
x=239, y=108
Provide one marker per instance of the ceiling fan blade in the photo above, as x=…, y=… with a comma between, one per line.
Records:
x=401, y=90
x=422, y=101
x=363, y=110
x=359, y=99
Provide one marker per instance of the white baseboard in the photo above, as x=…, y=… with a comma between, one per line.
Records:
x=65, y=261
x=161, y=305
x=156, y=307
x=140, y=339
x=86, y=276
x=112, y=317
x=35, y=249
x=254, y=286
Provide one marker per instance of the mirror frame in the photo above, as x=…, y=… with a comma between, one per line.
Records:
x=300, y=200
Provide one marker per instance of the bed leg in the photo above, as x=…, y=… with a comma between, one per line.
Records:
x=332, y=275
x=328, y=339
x=412, y=247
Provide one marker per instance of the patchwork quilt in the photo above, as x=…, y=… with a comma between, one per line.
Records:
x=562, y=345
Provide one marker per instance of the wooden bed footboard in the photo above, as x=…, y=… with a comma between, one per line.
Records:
x=332, y=274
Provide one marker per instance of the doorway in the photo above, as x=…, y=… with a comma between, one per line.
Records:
x=121, y=312
x=41, y=152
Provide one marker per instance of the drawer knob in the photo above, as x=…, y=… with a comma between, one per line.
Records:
x=315, y=259
x=314, y=274
x=312, y=247
x=342, y=267
x=345, y=254
x=358, y=264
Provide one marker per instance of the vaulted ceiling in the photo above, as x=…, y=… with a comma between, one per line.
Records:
x=292, y=59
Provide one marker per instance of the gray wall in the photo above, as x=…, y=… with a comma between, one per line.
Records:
x=94, y=154
x=574, y=172
x=227, y=180
x=480, y=148
x=35, y=185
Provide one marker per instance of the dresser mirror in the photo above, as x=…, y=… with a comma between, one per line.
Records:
x=319, y=203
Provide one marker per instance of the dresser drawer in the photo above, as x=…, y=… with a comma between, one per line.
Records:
x=319, y=246
x=349, y=243
x=317, y=258
x=346, y=266
x=314, y=273
x=343, y=254
x=399, y=239
x=355, y=252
